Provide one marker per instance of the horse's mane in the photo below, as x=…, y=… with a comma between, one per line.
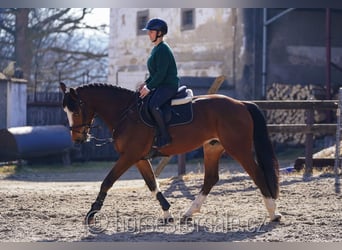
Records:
x=103, y=86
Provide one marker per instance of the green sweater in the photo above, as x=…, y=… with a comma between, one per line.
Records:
x=162, y=67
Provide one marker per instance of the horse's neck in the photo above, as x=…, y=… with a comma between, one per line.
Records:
x=110, y=107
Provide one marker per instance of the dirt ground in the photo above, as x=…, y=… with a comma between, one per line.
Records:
x=51, y=207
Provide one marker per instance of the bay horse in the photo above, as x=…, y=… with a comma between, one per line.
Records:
x=220, y=124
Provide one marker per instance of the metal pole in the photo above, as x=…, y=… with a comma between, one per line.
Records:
x=328, y=54
x=309, y=144
x=264, y=44
x=271, y=20
x=338, y=141
x=264, y=48
x=328, y=60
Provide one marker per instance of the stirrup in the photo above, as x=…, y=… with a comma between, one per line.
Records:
x=162, y=142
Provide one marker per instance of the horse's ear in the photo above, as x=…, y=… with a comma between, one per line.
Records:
x=62, y=87
x=73, y=94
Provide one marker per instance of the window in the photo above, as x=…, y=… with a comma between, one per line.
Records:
x=142, y=19
x=187, y=19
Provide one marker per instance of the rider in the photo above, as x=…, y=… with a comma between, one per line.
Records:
x=163, y=81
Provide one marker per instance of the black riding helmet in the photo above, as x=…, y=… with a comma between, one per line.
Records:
x=156, y=24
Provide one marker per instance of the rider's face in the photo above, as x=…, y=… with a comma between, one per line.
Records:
x=152, y=34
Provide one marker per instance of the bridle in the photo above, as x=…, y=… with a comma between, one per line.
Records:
x=88, y=126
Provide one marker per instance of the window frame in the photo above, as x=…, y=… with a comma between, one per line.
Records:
x=140, y=15
x=191, y=25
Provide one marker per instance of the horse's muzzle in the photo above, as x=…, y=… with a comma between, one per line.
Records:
x=80, y=138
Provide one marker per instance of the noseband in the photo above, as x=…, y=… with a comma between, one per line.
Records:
x=86, y=125
x=81, y=104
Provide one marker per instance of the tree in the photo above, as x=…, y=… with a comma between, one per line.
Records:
x=22, y=49
x=50, y=45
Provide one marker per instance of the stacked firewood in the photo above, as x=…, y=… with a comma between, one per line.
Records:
x=278, y=91
x=328, y=152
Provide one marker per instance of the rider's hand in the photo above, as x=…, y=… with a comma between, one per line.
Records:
x=144, y=91
x=139, y=86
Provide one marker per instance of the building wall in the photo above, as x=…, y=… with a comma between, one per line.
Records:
x=217, y=46
x=3, y=104
x=16, y=104
x=13, y=103
x=297, y=47
x=228, y=41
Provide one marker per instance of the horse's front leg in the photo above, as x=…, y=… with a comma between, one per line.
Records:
x=120, y=167
x=147, y=173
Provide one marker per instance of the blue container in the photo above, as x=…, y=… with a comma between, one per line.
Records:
x=287, y=170
x=32, y=142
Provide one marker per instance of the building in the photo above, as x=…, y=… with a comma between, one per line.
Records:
x=252, y=48
x=206, y=42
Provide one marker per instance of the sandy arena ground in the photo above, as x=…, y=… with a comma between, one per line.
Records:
x=44, y=208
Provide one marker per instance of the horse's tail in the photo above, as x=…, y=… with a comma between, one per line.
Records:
x=264, y=151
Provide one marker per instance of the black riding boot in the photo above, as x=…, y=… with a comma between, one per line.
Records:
x=163, y=139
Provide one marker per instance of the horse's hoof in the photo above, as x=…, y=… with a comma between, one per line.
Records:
x=88, y=221
x=90, y=218
x=96, y=222
x=165, y=221
x=185, y=219
x=276, y=218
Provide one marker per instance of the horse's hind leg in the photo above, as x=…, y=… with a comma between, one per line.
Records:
x=146, y=171
x=257, y=174
x=212, y=154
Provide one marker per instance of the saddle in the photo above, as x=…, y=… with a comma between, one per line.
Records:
x=178, y=113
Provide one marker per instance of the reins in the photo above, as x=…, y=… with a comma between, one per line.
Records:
x=103, y=141
x=125, y=113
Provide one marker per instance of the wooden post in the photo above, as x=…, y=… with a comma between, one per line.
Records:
x=216, y=85
x=163, y=162
x=66, y=158
x=181, y=164
x=308, y=144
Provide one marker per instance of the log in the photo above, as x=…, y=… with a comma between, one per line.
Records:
x=287, y=103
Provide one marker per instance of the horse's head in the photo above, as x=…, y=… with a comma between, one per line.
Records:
x=79, y=116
